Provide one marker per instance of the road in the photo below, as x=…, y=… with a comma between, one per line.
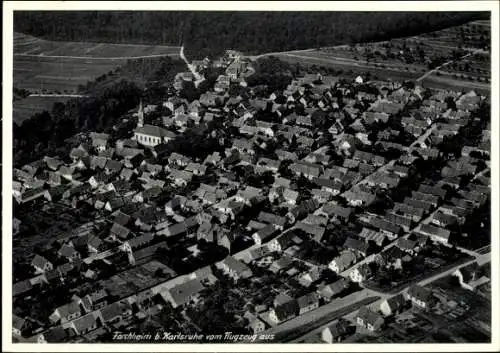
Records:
x=311, y=336
x=58, y=95
x=97, y=57
x=255, y=57
x=430, y=72
x=197, y=76
x=351, y=302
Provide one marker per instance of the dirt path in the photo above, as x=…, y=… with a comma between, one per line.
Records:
x=97, y=57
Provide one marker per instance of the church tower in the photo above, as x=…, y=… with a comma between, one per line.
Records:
x=140, y=116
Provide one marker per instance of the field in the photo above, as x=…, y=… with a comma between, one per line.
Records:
x=453, y=58
x=350, y=67
x=25, y=108
x=59, y=67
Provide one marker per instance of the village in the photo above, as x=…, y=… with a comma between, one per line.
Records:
x=322, y=213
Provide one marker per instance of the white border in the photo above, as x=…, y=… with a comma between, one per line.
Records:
x=8, y=9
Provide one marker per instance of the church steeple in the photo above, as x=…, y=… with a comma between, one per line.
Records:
x=140, y=115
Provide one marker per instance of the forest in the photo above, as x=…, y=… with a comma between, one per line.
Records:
x=210, y=33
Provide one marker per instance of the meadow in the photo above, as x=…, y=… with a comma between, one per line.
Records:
x=43, y=66
x=60, y=68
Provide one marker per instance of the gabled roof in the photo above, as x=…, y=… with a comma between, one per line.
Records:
x=120, y=231
x=436, y=231
x=396, y=302
x=39, y=261
x=114, y=310
x=68, y=309
x=334, y=288
x=308, y=299
x=356, y=244
x=420, y=293
x=155, y=131
x=66, y=251
x=369, y=317
x=84, y=323
x=183, y=292
x=286, y=310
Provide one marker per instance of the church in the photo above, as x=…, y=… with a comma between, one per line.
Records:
x=150, y=135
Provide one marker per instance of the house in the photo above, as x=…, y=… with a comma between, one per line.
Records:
x=113, y=167
x=183, y=293
x=309, y=170
x=359, y=197
x=337, y=332
x=265, y=164
x=150, y=135
x=329, y=291
x=264, y=234
x=282, y=242
x=308, y=278
x=316, y=232
x=235, y=69
x=234, y=268
x=332, y=186
x=370, y=235
x=281, y=299
x=444, y=220
x=269, y=218
x=55, y=334
x=68, y=172
x=255, y=324
x=342, y=262
x=68, y=251
x=471, y=276
x=357, y=246
x=369, y=320
x=85, y=324
x=225, y=238
x=179, y=160
x=419, y=296
x=413, y=213
x=393, y=305
x=281, y=265
x=94, y=244
x=18, y=325
x=180, y=177
x=120, y=231
x=283, y=194
x=390, y=229
x=435, y=233
x=66, y=312
x=99, y=141
x=115, y=312
x=308, y=302
x=78, y=153
x=248, y=194
x=284, y=311
x=177, y=203
x=407, y=245
x=196, y=168
x=302, y=210
x=360, y=273
x=337, y=212
x=41, y=264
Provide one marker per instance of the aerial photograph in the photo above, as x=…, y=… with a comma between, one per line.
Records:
x=251, y=177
